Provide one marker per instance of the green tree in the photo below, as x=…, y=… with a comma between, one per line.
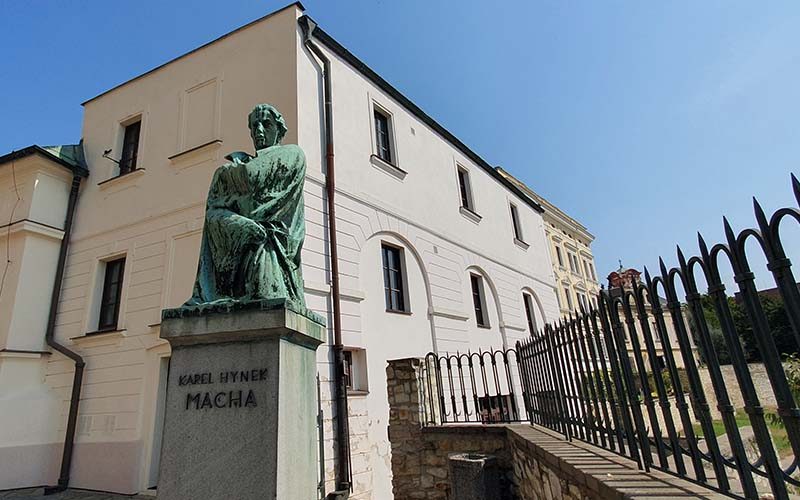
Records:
x=778, y=322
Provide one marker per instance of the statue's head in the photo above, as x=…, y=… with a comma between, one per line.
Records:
x=267, y=126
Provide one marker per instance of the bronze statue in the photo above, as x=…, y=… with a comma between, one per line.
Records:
x=254, y=224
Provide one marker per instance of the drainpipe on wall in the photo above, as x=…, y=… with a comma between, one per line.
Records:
x=69, y=438
x=343, y=475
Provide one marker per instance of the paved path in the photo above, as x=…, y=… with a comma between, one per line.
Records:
x=38, y=494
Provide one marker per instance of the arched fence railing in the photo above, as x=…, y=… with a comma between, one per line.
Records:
x=673, y=371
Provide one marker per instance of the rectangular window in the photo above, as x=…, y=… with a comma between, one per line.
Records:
x=586, y=268
x=383, y=140
x=112, y=293
x=515, y=223
x=528, y=300
x=130, y=148
x=560, y=258
x=464, y=189
x=355, y=371
x=479, y=300
x=591, y=268
x=348, y=369
x=583, y=302
x=393, y=279
x=569, y=298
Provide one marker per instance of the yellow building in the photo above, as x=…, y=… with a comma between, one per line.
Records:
x=570, y=253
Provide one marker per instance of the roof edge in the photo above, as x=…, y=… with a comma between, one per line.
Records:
x=544, y=201
x=34, y=149
x=368, y=72
x=226, y=35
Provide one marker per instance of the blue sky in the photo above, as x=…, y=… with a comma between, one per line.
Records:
x=646, y=121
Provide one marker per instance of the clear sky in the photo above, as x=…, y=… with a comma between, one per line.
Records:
x=645, y=121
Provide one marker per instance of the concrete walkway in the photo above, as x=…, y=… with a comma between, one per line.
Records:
x=38, y=494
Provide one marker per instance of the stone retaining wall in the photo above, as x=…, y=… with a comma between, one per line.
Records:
x=535, y=463
x=758, y=373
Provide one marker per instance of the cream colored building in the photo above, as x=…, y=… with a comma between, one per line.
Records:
x=570, y=252
x=472, y=247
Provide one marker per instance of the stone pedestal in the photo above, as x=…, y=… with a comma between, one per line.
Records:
x=241, y=404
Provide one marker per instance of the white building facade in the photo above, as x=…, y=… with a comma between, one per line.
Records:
x=465, y=249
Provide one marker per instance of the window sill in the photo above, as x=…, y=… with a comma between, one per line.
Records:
x=357, y=393
x=178, y=156
x=521, y=244
x=100, y=334
x=469, y=214
x=133, y=174
x=485, y=327
x=402, y=313
x=387, y=167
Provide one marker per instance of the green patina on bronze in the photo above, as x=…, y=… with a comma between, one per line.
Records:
x=254, y=226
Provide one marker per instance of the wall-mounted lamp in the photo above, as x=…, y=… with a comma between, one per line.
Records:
x=105, y=155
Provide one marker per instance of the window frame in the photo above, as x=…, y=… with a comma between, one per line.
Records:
x=527, y=300
x=105, y=302
x=465, y=189
x=400, y=289
x=347, y=369
x=130, y=164
x=569, y=298
x=516, y=224
x=355, y=359
x=478, y=293
x=559, y=257
x=390, y=145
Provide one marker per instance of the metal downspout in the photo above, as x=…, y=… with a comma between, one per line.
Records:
x=69, y=438
x=343, y=475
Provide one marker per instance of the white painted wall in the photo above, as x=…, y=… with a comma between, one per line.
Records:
x=419, y=213
x=31, y=244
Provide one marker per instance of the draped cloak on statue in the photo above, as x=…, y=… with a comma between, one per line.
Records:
x=254, y=230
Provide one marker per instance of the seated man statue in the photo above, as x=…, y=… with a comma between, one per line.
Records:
x=254, y=224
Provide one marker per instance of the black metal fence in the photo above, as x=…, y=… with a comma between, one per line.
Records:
x=640, y=372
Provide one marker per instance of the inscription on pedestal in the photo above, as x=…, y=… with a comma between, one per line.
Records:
x=224, y=398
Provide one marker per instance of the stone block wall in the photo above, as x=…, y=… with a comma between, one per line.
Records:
x=420, y=455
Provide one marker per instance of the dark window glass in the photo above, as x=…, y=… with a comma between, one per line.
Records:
x=130, y=148
x=515, y=223
x=393, y=279
x=348, y=369
x=528, y=300
x=112, y=291
x=477, y=300
x=382, y=136
x=560, y=258
x=463, y=187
